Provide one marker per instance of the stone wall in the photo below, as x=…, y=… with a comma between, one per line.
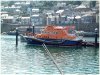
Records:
x=87, y=27
x=9, y=27
x=84, y=27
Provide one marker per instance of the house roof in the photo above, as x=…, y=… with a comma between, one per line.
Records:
x=34, y=9
x=9, y=17
x=81, y=6
x=36, y=15
x=25, y=17
x=59, y=11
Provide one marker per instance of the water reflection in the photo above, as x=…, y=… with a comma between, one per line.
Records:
x=28, y=59
x=75, y=59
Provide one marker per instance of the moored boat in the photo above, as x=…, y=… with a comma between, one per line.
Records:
x=55, y=36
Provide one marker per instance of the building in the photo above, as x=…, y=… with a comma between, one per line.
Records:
x=8, y=19
x=11, y=9
x=25, y=20
x=37, y=19
x=21, y=3
x=97, y=12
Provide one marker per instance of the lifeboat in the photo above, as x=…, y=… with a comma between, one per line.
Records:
x=55, y=36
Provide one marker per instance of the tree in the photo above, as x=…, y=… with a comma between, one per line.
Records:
x=11, y=3
x=4, y=3
x=49, y=4
x=93, y=3
x=73, y=2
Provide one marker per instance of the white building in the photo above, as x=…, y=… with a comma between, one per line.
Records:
x=11, y=9
x=25, y=20
x=8, y=19
x=35, y=11
x=3, y=16
x=20, y=3
x=37, y=19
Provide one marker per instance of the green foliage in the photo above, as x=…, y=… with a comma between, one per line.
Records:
x=73, y=2
x=10, y=3
x=76, y=2
x=7, y=3
x=3, y=3
x=49, y=3
x=93, y=3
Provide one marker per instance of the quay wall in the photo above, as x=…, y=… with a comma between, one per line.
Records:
x=87, y=27
x=10, y=27
x=84, y=27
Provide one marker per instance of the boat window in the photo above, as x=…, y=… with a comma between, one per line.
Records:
x=71, y=31
x=45, y=32
x=54, y=32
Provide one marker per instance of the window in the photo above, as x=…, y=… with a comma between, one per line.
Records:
x=71, y=31
x=54, y=32
x=45, y=32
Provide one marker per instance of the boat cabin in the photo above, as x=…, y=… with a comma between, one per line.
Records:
x=55, y=32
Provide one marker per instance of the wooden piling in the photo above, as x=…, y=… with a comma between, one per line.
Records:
x=16, y=37
x=33, y=29
x=96, y=37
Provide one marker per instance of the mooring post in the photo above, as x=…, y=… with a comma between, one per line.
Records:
x=16, y=37
x=33, y=29
x=96, y=29
x=59, y=18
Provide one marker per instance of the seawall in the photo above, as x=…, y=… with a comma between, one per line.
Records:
x=80, y=27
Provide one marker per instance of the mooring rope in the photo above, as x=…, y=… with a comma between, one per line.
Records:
x=46, y=49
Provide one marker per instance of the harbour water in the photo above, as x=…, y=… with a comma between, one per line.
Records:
x=28, y=59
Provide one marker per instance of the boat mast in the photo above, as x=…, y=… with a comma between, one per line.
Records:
x=30, y=15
